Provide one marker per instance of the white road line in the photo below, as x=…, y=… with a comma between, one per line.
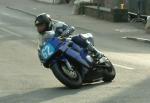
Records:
x=12, y=16
x=124, y=67
x=7, y=14
x=10, y=32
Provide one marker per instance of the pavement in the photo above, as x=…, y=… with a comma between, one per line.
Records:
x=24, y=80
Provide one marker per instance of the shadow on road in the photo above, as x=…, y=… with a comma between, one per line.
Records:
x=45, y=94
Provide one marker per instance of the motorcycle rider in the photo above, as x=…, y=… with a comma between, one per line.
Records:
x=45, y=26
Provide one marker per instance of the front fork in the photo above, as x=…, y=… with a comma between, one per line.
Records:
x=72, y=69
x=68, y=69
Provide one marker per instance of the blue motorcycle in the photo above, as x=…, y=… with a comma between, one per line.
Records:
x=72, y=65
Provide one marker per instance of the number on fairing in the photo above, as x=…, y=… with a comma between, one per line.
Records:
x=47, y=51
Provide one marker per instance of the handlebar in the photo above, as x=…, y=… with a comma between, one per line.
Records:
x=68, y=32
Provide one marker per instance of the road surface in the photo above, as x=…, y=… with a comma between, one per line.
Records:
x=24, y=80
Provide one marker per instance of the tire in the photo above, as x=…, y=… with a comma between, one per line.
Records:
x=64, y=79
x=109, y=73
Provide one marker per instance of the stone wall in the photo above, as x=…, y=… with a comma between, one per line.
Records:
x=112, y=3
x=129, y=4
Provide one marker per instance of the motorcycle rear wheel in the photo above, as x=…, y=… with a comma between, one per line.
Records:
x=109, y=73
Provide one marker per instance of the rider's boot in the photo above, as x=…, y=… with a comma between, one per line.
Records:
x=94, y=53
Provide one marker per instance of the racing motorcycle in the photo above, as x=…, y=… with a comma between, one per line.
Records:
x=72, y=65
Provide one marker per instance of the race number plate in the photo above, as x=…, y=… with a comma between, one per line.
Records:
x=47, y=51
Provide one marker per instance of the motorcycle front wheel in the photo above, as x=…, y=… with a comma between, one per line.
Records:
x=71, y=79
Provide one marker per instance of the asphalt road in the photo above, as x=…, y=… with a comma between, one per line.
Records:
x=24, y=80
